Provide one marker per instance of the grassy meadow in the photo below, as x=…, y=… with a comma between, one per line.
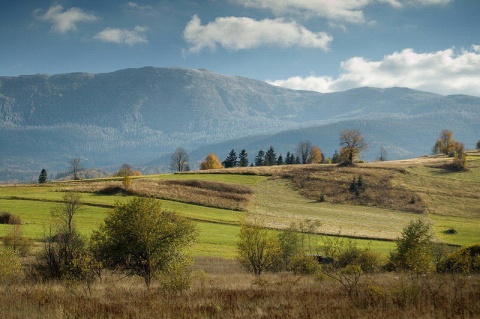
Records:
x=217, y=201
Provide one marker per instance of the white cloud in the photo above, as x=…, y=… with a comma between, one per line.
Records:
x=136, y=6
x=123, y=36
x=344, y=10
x=443, y=72
x=64, y=21
x=235, y=33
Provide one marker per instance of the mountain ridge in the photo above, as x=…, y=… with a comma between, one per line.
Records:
x=138, y=114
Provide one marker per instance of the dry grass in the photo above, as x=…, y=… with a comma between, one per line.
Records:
x=199, y=192
x=222, y=290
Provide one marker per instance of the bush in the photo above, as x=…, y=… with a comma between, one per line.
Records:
x=302, y=264
x=7, y=218
x=463, y=260
x=15, y=240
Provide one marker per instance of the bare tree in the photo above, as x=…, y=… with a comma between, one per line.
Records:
x=383, y=154
x=352, y=144
x=76, y=167
x=179, y=160
x=304, y=148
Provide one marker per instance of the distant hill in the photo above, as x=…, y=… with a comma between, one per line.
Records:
x=138, y=115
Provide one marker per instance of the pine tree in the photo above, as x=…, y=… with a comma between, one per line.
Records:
x=280, y=160
x=43, y=176
x=243, y=158
x=288, y=159
x=231, y=160
x=260, y=158
x=270, y=157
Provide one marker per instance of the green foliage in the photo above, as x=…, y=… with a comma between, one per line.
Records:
x=344, y=253
x=141, y=239
x=414, y=249
x=463, y=260
x=231, y=160
x=270, y=157
x=43, y=176
x=243, y=158
x=260, y=158
x=357, y=186
x=259, y=249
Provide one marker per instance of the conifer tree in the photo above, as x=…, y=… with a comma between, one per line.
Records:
x=270, y=157
x=260, y=158
x=43, y=176
x=231, y=160
x=243, y=158
x=280, y=160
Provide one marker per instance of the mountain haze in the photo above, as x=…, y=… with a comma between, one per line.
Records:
x=137, y=115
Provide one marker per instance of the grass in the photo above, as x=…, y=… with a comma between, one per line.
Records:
x=450, y=200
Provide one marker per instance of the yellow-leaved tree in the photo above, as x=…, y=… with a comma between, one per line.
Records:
x=315, y=156
x=211, y=162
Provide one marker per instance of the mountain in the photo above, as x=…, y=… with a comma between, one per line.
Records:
x=136, y=115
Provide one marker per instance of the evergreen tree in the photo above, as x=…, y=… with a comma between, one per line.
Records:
x=43, y=176
x=231, y=160
x=260, y=158
x=243, y=158
x=280, y=160
x=288, y=159
x=270, y=157
x=297, y=160
x=335, y=157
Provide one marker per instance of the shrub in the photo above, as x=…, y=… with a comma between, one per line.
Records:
x=15, y=240
x=7, y=218
x=302, y=264
x=463, y=260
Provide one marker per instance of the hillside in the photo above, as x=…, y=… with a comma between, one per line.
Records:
x=137, y=115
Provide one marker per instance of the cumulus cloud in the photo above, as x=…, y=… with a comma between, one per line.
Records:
x=444, y=72
x=65, y=20
x=235, y=33
x=123, y=36
x=345, y=10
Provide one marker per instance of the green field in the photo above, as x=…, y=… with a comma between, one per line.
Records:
x=452, y=199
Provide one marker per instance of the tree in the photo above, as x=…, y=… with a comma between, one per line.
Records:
x=280, y=160
x=76, y=167
x=127, y=170
x=64, y=252
x=231, y=160
x=289, y=159
x=243, y=158
x=352, y=144
x=258, y=248
x=315, y=156
x=211, y=162
x=304, y=149
x=179, y=160
x=445, y=143
x=335, y=157
x=414, y=248
x=43, y=176
x=478, y=145
x=260, y=158
x=383, y=154
x=142, y=239
x=270, y=157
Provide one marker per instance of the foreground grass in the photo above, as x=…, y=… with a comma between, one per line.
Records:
x=220, y=289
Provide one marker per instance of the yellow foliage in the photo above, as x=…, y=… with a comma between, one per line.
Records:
x=211, y=162
x=315, y=156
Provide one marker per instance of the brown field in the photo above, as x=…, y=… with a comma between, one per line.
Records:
x=221, y=289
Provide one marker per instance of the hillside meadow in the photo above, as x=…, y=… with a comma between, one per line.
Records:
x=218, y=201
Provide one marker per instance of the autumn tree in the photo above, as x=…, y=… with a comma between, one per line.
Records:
x=142, y=239
x=304, y=149
x=43, y=176
x=76, y=167
x=231, y=160
x=127, y=170
x=179, y=160
x=352, y=144
x=211, y=162
x=445, y=143
x=243, y=158
x=315, y=156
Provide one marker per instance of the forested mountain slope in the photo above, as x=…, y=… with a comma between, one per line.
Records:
x=136, y=115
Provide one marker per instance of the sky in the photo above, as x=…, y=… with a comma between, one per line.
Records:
x=319, y=45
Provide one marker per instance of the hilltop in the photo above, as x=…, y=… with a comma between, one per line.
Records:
x=139, y=115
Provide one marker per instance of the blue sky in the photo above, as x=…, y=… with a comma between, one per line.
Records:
x=322, y=45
